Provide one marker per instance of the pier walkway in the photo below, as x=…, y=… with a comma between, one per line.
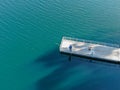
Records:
x=92, y=49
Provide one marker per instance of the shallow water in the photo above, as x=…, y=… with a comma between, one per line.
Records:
x=30, y=32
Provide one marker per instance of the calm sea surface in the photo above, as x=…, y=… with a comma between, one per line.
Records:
x=30, y=31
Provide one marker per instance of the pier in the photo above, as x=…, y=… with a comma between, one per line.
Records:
x=90, y=49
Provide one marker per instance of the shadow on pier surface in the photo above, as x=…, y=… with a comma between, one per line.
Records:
x=79, y=74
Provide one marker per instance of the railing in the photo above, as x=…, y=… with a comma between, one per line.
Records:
x=94, y=42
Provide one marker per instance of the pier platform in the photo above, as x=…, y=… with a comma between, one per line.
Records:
x=90, y=49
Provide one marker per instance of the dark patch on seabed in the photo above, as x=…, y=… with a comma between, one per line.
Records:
x=58, y=76
x=100, y=80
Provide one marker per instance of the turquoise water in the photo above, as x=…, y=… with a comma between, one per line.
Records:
x=30, y=31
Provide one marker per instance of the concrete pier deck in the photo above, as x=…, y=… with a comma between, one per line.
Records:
x=92, y=49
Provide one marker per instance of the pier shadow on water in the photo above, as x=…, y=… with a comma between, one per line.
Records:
x=77, y=74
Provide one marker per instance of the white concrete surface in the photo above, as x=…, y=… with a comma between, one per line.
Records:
x=98, y=50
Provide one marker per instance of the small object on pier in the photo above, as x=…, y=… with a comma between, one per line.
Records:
x=89, y=48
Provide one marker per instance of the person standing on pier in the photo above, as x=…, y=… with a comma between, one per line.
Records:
x=70, y=48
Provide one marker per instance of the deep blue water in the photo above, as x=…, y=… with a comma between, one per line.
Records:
x=30, y=31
